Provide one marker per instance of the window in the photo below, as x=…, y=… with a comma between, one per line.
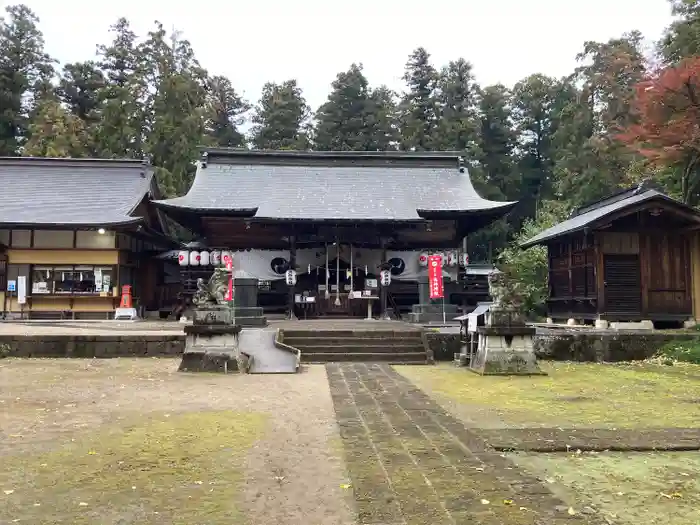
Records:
x=73, y=279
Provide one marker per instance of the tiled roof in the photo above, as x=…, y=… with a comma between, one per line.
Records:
x=78, y=192
x=318, y=186
x=590, y=214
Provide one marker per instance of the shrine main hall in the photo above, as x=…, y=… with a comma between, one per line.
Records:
x=353, y=226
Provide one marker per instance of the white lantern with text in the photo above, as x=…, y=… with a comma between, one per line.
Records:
x=215, y=258
x=183, y=258
x=204, y=258
x=194, y=258
x=423, y=259
x=452, y=259
x=465, y=259
x=385, y=277
x=225, y=255
x=290, y=277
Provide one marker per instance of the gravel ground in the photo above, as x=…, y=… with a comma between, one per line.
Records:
x=293, y=475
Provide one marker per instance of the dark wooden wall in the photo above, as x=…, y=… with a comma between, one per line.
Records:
x=621, y=275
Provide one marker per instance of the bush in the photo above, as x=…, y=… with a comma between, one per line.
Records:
x=529, y=267
x=683, y=351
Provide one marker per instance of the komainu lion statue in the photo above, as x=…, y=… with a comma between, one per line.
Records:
x=505, y=292
x=213, y=292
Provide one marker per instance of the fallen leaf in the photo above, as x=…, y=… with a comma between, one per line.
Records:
x=523, y=508
x=485, y=502
x=480, y=469
x=8, y=492
x=571, y=511
x=197, y=482
x=507, y=501
x=83, y=504
x=345, y=486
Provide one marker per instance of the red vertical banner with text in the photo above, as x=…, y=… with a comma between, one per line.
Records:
x=229, y=267
x=435, y=276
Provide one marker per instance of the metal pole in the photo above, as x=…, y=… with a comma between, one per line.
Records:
x=443, y=305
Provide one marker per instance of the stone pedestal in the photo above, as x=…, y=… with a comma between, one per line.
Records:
x=246, y=311
x=430, y=310
x=505, y=345
x=211, y=343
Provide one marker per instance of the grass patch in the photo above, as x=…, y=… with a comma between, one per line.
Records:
x=183, y=469
x=574, y=394
x=681, y=351
x=638, y=489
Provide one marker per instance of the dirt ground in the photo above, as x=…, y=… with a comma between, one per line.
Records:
x=134, y=441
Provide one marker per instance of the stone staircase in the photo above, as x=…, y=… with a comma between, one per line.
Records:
x=324, y=346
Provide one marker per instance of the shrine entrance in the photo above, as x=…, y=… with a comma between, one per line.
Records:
x=337, y=288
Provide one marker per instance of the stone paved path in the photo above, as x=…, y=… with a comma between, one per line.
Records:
x=413, y=464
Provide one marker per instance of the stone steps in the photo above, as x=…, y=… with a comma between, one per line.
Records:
x=369, y=341
x=364, y=345
x=355, y=347
x=404, y=358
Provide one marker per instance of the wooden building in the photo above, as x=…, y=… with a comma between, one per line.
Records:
x=630, y=257
x=72, y=232
x=336, y=218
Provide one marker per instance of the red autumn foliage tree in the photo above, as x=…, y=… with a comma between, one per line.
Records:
x=666, y=131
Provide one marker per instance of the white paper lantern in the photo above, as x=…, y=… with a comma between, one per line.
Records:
x=443, y=259
x=183, y=258
x=226, y=255
x=204, y=258
x=423, y=259
x=215, y=258
x=452, y=259
x=194, y=258
x=465, y=259
x=385, y=277
x=290, y=277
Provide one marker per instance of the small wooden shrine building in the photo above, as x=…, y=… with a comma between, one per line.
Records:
x=73, y=231
x=630, y=257
x=337, y=218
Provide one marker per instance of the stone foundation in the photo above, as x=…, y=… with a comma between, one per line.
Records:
x=213, y=348
x=594, y=345
x=88, y=346
x=505, y=351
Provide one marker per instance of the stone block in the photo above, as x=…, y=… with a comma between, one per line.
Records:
x=212, y=316
x=506, y=351
x=212, y=348
x=641, y=325
x=221, y=362
x=504, y=317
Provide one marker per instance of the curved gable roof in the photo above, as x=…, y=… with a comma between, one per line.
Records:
x=325, y=185
x=71, y=192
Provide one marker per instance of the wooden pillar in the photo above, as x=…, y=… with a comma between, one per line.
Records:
x=383, y=290
x=292, y=266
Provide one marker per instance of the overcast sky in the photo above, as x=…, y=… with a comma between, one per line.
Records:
x=311, y=40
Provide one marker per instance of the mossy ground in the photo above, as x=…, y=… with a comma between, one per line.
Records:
x=573, y=394
x=628, y=489
x=182, y=469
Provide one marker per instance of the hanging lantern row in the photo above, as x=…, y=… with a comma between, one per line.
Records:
x=203, y=258
x=448, y=259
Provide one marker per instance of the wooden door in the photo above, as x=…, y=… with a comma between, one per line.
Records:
x=623, y=285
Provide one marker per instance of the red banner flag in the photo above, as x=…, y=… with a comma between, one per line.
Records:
x=229, y=267
x=435, y=276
